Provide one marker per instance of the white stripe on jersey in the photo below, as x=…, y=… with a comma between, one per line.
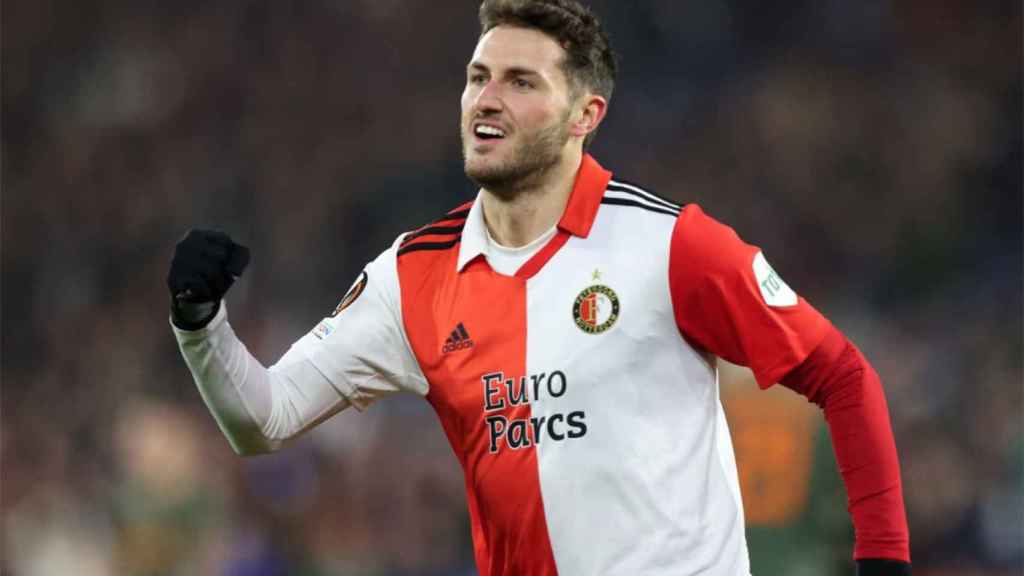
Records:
x=637, y=192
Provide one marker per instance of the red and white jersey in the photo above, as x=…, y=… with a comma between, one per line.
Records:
x=580, y=394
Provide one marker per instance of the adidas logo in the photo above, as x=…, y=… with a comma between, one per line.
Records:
x=458, y=340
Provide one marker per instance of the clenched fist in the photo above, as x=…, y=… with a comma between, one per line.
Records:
x=205, y=264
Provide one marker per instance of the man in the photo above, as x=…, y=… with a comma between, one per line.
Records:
x=564, y=326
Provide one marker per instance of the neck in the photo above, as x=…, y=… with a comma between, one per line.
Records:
x=519, y=220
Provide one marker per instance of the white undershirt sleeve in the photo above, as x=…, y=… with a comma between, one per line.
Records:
x=358, y=354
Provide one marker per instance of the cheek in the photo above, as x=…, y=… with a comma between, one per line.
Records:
x=539, y=116
x=466, y=102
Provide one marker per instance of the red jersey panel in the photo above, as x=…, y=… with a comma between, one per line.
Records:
x=460, y=326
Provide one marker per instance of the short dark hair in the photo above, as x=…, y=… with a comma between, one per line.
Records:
x=589, y=61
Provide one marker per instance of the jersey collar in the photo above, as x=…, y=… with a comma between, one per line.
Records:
x=591, y=182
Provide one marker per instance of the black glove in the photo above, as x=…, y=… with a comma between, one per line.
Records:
x=873, y=567
x=205, y=264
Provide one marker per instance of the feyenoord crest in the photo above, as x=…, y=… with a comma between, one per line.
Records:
x=596, y=309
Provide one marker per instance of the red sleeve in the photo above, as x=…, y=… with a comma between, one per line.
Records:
x=838, y=378
x=729, y=301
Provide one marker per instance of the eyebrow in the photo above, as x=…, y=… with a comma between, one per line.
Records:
x=513, y=71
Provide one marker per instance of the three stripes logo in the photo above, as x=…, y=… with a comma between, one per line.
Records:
x=458, y=340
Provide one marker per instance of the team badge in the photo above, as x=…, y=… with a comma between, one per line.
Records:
x=352, y=294
x=596, y=309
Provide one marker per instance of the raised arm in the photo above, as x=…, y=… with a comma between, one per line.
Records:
x=351, y=358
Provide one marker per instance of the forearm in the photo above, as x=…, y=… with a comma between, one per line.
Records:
x=841, y=381
x=256, y=408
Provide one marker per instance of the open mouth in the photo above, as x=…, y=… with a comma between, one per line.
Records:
x=486, y=132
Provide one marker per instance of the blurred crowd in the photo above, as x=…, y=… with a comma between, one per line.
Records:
x=872, y=149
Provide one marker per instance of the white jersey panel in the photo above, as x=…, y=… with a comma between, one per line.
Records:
x=643, y=481
x=362, y=348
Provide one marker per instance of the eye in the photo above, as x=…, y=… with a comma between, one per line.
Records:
x=477, y=78
x=522, y=83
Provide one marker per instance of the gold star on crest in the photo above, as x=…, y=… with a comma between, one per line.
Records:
x=596, y=277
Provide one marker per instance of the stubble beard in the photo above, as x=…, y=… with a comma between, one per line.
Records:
x=530, y=163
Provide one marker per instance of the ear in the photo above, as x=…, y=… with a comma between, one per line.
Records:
x=590, y=111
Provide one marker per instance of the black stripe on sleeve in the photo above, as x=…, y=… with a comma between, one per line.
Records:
x=458, y=214
x=648, y=207
x=640, y=192
x=433, y=230
x=416, y=246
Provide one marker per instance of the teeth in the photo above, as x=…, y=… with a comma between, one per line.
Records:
x=490, y=131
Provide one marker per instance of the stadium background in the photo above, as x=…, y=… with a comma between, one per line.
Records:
x=872, y=148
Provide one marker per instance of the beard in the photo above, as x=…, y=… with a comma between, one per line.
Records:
x=530, y=161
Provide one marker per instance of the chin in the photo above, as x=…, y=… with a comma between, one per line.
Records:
x=493, y=176
x=485, y=175
x=483, y=167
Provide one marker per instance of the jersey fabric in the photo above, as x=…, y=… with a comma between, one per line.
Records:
x=508, y=261
x=579, y=394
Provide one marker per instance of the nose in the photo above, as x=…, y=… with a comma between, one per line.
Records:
x=488, y=99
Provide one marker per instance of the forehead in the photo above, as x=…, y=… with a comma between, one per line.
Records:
x=511, y=47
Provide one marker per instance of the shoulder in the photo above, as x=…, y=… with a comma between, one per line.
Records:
x=437, y=237
x=628, y=194
x=418, y=249
x=704, y=250
x=691, y=221
x=632, y=218
x=704, y=240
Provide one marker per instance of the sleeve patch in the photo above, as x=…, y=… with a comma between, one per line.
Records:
x=323, y=330
x=353, y=293
x=773, y=289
